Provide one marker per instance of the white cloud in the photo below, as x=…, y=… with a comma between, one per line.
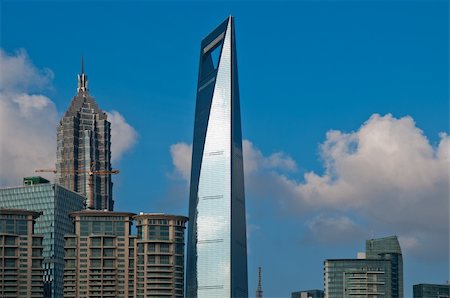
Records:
x=386, y=173
x=28, y=120
x=123, y=135
x=256, y=161
x=19, y=74
x=181, y=158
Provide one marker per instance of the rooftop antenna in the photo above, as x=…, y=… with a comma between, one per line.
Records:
x=82, y=80
x=82, y=63
x=259, y=291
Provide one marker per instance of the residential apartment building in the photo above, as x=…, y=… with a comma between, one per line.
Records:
x=21, y=273
x=100, y=255
x=160, y=255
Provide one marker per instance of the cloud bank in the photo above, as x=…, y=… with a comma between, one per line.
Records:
x=28, y=120
x=123, y=135
x=385, y=178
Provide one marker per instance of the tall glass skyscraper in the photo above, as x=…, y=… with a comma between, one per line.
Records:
x=217, y=245
x=55, y=202
x=84, y=144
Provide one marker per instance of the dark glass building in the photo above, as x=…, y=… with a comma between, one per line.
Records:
x=431, y=291
x=217, y=245
x=84, y=147
x=378, y=274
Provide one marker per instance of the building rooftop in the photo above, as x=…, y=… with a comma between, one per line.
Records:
x=8, y=211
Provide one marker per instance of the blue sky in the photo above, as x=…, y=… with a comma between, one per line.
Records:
x=305, y=68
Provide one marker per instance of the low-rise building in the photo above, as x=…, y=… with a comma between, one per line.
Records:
x=431, y=291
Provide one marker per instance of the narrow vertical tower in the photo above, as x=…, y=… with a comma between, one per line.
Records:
x=83, y=145
x=259, y=291
x=217, y=244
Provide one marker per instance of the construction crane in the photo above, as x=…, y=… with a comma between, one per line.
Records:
x=91, y=172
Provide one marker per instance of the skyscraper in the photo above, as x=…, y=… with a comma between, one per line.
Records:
x=55, y=202
x=217, y=245
x=83, y=146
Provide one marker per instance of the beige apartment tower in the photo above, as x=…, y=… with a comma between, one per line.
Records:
x=160, y=255
x=99, y=258
x=103, y=259
x=21, y=273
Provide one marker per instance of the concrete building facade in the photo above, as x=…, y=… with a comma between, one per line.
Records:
x=103, y=258
x=160, y=255
x=21, y=273
x=100, y=255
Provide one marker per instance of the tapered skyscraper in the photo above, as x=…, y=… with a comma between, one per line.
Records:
x=83, y=147
x=217, y=244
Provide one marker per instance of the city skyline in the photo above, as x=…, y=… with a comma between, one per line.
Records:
x=318, y=94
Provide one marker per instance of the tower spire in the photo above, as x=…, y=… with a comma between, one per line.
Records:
x=82, y=64
x=259, y=291
x=82, y=79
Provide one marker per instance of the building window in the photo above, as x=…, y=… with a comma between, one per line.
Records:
x=164, y=259
x=164, y=247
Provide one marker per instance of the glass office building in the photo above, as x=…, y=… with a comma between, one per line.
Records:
x=55, y=202
x=388, y=248
x=217, y=245
x=84, y=143
x=431, y=291
x=378, y=274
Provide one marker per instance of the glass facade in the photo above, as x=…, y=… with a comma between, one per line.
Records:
x=431, y=291
x=217, y=245
x=388, y=248
x=84, y=143
x=379, y=274
x=55, y=202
